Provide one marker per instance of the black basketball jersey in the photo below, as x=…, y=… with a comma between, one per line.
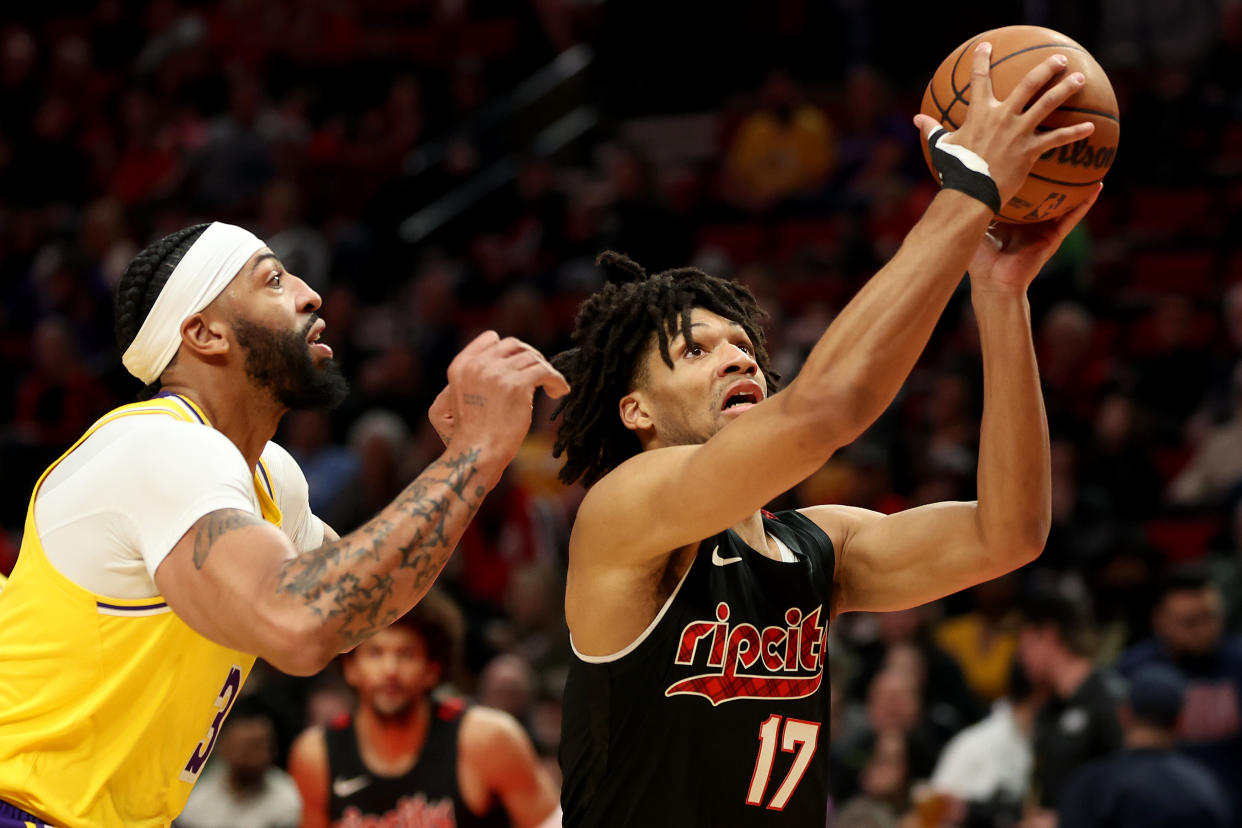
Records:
x=718, y=715
x=427, y=795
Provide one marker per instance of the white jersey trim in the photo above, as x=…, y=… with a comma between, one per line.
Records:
x=604, y=659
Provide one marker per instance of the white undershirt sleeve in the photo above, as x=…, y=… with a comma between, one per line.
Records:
x=112, y=510
x=293, y=497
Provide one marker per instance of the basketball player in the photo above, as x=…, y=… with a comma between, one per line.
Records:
x=408, y=759
x=696, y=695
x=174, y=542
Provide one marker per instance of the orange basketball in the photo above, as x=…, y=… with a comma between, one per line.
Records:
x=1062, y=178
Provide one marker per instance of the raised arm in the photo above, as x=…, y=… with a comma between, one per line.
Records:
x=238, y=581
x=855, y=369
x=912, y=557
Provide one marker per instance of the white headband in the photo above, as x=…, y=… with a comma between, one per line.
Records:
x=203, y=272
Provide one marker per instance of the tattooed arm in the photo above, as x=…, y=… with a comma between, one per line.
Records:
x=238, y=580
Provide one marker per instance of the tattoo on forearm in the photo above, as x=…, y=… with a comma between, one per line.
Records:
x=434, y=509
x=215, y=526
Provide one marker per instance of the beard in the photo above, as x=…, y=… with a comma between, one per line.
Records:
x=280, y=362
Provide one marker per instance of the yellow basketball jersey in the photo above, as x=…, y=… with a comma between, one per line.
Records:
x=108, y=707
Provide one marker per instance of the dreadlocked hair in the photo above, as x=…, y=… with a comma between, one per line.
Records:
x=611, y=334
x=142, y=282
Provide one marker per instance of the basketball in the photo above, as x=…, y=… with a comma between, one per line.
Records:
x=1062, y=178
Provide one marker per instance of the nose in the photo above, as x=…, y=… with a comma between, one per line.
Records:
x=308, y=299
x=737, y=361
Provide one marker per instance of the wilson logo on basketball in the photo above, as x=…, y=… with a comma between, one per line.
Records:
x=1082, y=154
x=746, y=662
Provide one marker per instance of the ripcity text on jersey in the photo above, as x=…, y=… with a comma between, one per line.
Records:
x=718, y=714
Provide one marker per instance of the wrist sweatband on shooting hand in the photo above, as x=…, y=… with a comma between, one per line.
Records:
x=963, y=170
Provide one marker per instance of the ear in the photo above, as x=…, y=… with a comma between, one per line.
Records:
x=204, y=334
x=634, y=412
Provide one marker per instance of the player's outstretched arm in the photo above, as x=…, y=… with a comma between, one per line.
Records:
x=500, y=752
x=239, y=581
x=855, y=369
x=308, y=765
x=912, y=557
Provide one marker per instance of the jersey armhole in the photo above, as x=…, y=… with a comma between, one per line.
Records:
x=644, y=635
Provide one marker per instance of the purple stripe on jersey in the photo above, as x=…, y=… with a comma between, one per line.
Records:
x=193, y=411
x=103, y=605
x=267, y=480
x=11, y=815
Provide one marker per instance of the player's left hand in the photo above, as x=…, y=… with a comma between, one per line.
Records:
x=1011, y=255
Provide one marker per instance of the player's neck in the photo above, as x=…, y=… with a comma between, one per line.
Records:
x=391, y=744
x=246, y=415
x=752, y=533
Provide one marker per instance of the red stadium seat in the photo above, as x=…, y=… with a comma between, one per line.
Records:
x=1172, y=213
x=1189, y=271
x=1182, y=539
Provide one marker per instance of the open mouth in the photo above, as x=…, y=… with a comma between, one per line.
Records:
x=312, y=339
x=742, y=396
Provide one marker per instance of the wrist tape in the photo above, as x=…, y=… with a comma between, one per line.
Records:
x=963, y=170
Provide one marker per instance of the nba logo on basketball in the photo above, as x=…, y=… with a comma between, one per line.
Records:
x=751, y=663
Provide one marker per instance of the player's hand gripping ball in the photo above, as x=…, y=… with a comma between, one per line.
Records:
x=1064, y=177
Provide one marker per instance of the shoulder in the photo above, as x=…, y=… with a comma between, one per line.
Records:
x=172, y=452
x=839, y=522
x=286, y=472
x=1138, y=655
x=485, y=727
x=309, y=750
x=1231, y=647
x=493, y=741
x=607, y=505
x=166, y=431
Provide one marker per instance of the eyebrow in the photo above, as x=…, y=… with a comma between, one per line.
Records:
x=263, y=258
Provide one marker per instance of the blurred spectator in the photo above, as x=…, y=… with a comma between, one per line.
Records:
x=505, y=534
x=1171, y=374
x=409, y=758
x=784, y=147
x=984, y=640
x=1215, y=469
x=903, y=643
x=635, y=220
x=1083, y=524
x=1149, y=784
x=329, y=468
x=1078, y=721
x=864, y=813
x=987, y=767
x=378, y=442
x=242, y=785
x=1070, y=370
x=235, y=162
x=59, y=397
x=301, y=248
x=1188, y=621
x=508, y=683
x=1117, y=459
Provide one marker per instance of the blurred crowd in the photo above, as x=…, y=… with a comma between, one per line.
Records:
x=127, y=120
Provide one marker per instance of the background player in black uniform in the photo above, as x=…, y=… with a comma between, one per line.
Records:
x=697, y=696
x=408, y=758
